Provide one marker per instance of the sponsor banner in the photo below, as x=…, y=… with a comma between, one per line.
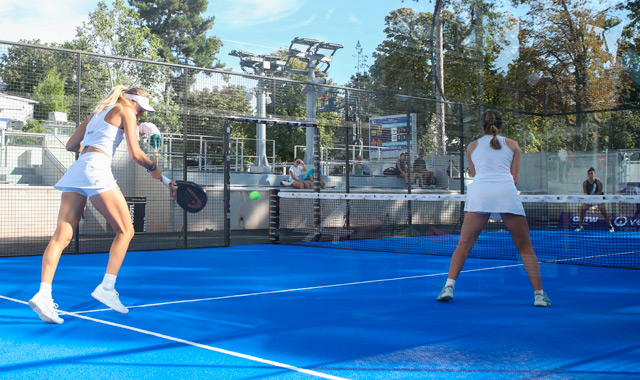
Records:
x=595, y=221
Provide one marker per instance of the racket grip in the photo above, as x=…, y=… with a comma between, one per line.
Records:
x=166, y=180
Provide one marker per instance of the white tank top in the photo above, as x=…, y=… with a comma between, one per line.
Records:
x=102, y=135
x=492, y=165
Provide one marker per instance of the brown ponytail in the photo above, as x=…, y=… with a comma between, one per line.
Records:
x=492, y=124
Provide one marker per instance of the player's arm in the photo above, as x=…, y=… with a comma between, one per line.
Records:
x=74, y=144
x=470, y=149
x=131, y=134
x=584, y=187
x=517, y=156
x=599, y=187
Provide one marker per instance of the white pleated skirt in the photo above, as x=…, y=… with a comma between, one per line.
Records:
x=92, y=171
x=493, y=198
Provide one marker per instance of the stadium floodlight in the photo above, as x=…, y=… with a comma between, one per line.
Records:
x=317, y=57
x=259, y=65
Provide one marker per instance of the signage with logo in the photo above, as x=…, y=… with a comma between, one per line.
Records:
x=595, y=221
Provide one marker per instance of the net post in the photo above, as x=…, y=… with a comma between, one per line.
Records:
x=316, y=179
x=227, y=183
x=460, y=118
x=274, y=216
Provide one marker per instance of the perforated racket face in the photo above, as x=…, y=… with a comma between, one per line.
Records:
x=191, y=197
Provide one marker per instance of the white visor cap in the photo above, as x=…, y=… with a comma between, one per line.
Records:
x=142, y=100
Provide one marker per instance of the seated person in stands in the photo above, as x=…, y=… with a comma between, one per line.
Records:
x=308, y=179
x=295, y=174
x=360, y=167
x=402, y=165
x=420, y=170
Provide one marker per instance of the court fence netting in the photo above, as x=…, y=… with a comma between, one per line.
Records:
x=429, y=224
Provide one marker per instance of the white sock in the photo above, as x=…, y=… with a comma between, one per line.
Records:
x=450, y=282
x=539, y=292
x=45, y=289
x=109, y=282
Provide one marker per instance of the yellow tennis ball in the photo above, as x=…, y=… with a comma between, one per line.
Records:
x=255, y=195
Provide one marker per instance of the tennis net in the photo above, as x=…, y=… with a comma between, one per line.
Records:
x=430, y=224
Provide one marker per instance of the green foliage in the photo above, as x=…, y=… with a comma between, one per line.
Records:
x=51, y=95
x=181, y=29
x=33, y=126
x=118, y=31
x=22, y=68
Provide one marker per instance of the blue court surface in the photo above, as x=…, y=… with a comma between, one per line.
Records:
x=290, y=312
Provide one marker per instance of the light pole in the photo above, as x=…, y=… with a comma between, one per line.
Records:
x=260, y=65
x=316, y=66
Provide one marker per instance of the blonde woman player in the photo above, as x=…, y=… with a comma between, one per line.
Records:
x=494, y=163
x=96, y=139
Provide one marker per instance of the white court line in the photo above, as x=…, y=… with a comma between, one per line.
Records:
x=194, y=344
x=299, y=289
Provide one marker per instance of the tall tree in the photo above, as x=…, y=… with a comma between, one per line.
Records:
x=118, y=31
x=567, y=39
x=182, y=30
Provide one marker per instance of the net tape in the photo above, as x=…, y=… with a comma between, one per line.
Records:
x=461, y=197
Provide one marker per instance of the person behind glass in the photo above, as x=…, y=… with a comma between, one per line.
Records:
x=309, y=179
x=420, y=170
x=593, y=186
x=494, y=163
x=366, y=168
x=361, y=167
x=402, y=164
x=152, y=132
x=295, y=175
x=96, y=139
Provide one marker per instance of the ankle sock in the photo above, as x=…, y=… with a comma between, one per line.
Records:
x=109, y=282
x=539, y=292
x=45, y=289
x=450, y=282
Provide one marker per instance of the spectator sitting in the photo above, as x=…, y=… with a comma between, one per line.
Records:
x=295, y=174
x=402, y=164
x=420, y=170
x=308, y=178
x=360, y=167
x=366, y=168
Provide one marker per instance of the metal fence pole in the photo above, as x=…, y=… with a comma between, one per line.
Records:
x=227, y=183
x=185, y=225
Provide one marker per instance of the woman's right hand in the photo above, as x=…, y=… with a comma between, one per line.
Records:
x=156, y=173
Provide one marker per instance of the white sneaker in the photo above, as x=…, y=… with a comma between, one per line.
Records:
x=110, y=298
x=541, y=300
x=579, y=229
x=611, y=229
x=45, y=307
x=446, y=294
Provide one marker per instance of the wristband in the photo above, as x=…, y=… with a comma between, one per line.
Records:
x=152, y=167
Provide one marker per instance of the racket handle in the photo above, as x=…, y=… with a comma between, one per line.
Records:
x=166, y=180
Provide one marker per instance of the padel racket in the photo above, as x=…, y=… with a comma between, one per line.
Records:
x=190, y=196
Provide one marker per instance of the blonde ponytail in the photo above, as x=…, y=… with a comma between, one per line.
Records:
x=111, y=99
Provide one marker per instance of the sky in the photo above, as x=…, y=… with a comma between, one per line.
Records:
x=256, y=26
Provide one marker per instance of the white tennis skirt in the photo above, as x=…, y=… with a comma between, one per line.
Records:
x=493, y=198
x=92, y=171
